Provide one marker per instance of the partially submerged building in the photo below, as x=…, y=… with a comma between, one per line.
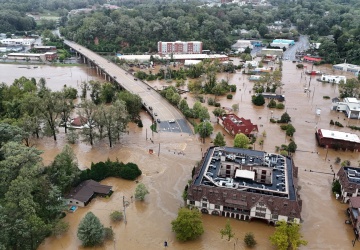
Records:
x=350, y=106
x=235, y=125
x=86, y=191
x=348, y=68
x=332, y=79
x=349, y=179
x=246, y=184
x=338, y=140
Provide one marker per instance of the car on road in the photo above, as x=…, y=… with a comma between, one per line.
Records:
x=158, y=120
x=171, y=121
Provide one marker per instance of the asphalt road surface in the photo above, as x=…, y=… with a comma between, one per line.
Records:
x=165, y=112
x=301, y=45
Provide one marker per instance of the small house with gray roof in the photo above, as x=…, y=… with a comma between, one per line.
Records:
x=86, y=191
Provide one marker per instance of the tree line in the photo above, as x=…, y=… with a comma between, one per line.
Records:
x=104, y=111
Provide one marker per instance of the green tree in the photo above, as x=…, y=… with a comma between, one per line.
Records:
x=287, y=236
x=241, y=141
x=285, y=118
x=64, y=171
x=204, y=129
x=188, y=224
x=87, y=115
x=258, y=100
x=107, y=92
x=51, y=109
x=60, y=228
x=203, y=114
x=227, y=231
x=219, y=140
x=336, y=187
x=350, y=89
x=140, y=192
x=91, y=231
x=219, y=112
x=183, y=106
x=292, y=147
x=249, y=240
x=290, y=130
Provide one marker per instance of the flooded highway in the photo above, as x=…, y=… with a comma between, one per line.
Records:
x=166, y=172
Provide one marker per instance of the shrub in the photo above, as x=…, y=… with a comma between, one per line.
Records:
x=338, y=124
x=326, y=97
x=272, y=120
x=211, y=101
x=292, y=147
x=336, y=187
x=258, y=100
x=139, y=123
x=300, y=66
x=116, y=216
x=229, y=96
x=280, y=106
x=232, y=88
x=332, y=122
x=130, y=171
x=284, y=153
x=108, y=233
x=217, y=104
x=272, y=104
x=283, y=126
x=249, y=240
x=290, y=130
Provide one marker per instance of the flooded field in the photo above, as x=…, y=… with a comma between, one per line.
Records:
x=166, y=172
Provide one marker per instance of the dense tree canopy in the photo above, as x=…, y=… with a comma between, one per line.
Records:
x=188, y=225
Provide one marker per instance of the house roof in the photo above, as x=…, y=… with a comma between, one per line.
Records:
x=85, y=190
x=238, y=125
x=337, y=135
x=355, y=202
x=348, y=184
x=78, y=121
x=244, y=200
x=313, y=59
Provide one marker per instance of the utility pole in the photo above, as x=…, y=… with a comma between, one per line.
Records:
x=124, y=210
x=159, y=150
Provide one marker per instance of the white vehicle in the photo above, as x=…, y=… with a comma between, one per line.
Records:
x=171, y=121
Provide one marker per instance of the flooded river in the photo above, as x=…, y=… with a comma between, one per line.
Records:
x=166, y=172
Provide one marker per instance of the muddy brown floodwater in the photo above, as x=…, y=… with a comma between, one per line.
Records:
x=165, y=173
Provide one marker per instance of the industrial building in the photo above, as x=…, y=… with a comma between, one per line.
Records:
x=246, y=185
x=348, y=68
x=281, y=43
x=350, y=106
x=332, y=79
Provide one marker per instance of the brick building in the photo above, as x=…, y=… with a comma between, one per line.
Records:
x=337, y=140
x=235, y=125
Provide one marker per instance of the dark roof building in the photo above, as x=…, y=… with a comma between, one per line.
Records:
x=235, y=125
x=349, y=179
x=85, y=191
x=246, y=184
x=354, y=214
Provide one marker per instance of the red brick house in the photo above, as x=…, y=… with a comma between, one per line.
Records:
x=235, y=125
x=338, y=140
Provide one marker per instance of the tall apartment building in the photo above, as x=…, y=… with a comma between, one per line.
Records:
x=179, y=47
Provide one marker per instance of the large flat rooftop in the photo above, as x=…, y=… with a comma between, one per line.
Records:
x=248, y=171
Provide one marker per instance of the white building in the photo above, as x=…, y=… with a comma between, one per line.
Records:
x=333, y=79
x=350, y=106
x=241, y=45
x=348, y=67
x=253, y=64
x=25, y=41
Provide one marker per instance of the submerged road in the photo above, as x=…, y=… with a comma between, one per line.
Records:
x=161, y=110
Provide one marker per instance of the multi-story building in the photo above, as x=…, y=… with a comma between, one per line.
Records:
x=338, y=140
x=246, y=184
x=179, y=47
x=349, y=179
x=350, y=106
x=354, y=214
x=348, y=67
x=235, y=125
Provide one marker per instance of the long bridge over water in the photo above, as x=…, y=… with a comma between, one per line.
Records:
x=171, y=119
